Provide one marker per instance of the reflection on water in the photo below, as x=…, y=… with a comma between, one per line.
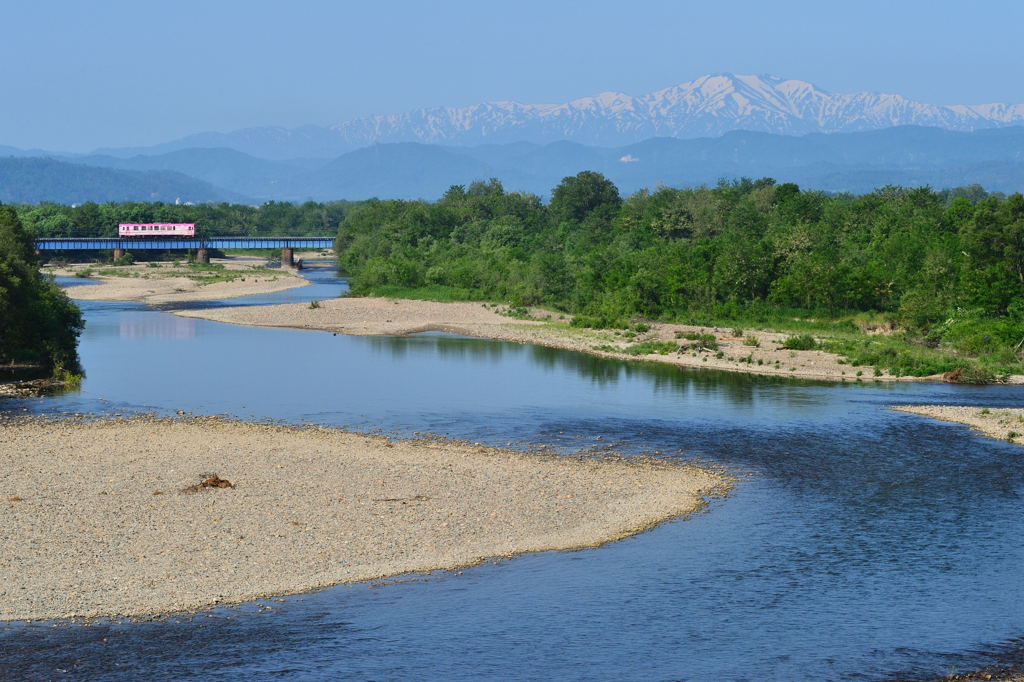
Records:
x=866, y=543
x=160, y=326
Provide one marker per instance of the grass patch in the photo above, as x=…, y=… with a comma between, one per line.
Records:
x=651, y=348
x=901, y=356
x=598, y=322
x=429, y=292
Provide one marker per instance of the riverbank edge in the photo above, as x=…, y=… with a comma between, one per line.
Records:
x=812, y=365
x=698, y=502
x=1000, y=423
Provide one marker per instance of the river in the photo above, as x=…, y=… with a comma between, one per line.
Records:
x=858, y=543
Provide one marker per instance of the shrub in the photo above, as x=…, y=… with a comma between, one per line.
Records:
x=969, y=374
x=751, y=340
x=704, y=341
x=801, y=342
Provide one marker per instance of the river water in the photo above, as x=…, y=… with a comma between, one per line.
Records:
x=859, y=543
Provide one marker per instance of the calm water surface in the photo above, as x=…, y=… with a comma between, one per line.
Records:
x=864, y=543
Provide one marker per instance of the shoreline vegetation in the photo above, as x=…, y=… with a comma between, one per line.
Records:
x=147, y=516
x=910, y=281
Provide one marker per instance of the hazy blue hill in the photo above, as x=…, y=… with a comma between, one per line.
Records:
x=396, y=171
x=228, y=168
x=277, y=143
x=545, y=161
x=836, y=162
x=32, y=180
x=997, y=176
x=15, y=151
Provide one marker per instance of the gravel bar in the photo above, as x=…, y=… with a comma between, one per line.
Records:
x=1001, y=423
x=111, y=518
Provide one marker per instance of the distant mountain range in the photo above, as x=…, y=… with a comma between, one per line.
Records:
x=717, y=126
x=854, y=162
x=706, y=107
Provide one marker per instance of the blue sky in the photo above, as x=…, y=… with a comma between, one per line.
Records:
x=80, y=75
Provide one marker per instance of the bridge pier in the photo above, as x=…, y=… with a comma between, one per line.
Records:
x=202, y=255
x=287, y=257
x=118, y=254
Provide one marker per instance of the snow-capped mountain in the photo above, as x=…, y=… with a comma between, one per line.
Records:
x=708, y=106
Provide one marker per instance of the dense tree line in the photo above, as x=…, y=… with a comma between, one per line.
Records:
x=38, y=324
x=947, y=265
x=278, y=219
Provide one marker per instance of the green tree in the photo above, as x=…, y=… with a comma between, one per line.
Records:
x=577, y=196
x=38, y=324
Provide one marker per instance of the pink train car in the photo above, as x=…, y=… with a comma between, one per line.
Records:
x=156, y=230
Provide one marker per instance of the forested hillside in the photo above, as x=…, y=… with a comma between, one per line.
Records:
x=948, y=268
x=38, y=324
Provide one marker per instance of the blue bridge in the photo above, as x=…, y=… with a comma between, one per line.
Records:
x=202, y=246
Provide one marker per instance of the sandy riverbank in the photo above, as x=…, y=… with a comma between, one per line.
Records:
x=377, y=316
x=161, y=282
x=96, y=522
x=1000, y=423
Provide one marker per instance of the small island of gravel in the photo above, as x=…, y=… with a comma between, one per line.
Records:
x=110, y=518
x=160, y=282
x=1002, y=423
